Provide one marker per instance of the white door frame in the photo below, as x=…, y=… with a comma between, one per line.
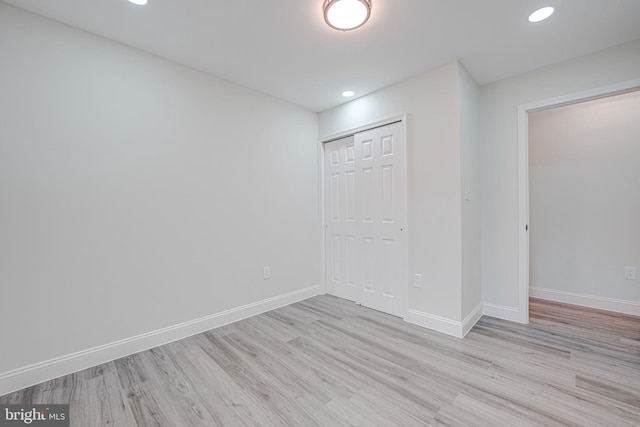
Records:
x=523, y=175
x=402, y=118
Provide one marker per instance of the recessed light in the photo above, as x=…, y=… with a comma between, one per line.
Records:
x=139, y=2
x=541, y=14
x=348, y=93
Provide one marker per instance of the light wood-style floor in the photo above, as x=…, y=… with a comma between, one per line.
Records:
x=328, y=362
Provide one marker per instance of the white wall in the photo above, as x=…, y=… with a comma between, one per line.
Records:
x=433, y=153
x=498, y=153
x=469, y=104
x=584, y=171
x=136, y=194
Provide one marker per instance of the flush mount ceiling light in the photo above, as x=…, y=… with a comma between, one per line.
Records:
x=139, y=2
x=345, y=15
x=348, y=93
x=541, y=14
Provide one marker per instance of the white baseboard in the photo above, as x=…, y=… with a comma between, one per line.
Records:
x=471, y=319
x=501, y=312
x=584, y=300
x=64, y=365
x=433, y=322
x=442, y=324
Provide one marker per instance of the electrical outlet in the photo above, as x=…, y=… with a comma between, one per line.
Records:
x=417, y=280
x=630, y=273
x=266, y=273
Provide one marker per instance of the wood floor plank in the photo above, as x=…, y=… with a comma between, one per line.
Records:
x=130, y=370
x=329, y=362
x=225, y=400
x=98, y=400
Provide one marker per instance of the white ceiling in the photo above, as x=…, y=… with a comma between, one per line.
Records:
x=284, y=48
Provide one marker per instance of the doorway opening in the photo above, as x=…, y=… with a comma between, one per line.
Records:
x=524, y=171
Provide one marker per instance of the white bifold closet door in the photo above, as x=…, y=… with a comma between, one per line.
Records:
x=365, y=203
